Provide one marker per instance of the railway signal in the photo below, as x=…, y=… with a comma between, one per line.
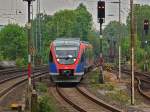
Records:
x=145, y=43
x=101, y=17
x=101, y=11
x=146, y=26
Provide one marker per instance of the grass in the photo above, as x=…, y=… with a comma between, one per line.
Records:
x=111, y=89
x=119, y=96
x=107, y=86
x=93, y=77
x=42, y=88
x=46, y=103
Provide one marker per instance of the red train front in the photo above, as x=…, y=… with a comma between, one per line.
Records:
x=69, y=59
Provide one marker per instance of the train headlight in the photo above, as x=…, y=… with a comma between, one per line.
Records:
x=58, y=60
x=74, y=60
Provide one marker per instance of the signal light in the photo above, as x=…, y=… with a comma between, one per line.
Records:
x=101, y=10
x=146, y=26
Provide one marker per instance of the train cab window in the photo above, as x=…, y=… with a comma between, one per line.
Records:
x=50, y=57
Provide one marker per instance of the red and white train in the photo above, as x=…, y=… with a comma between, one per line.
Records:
x=69, y=59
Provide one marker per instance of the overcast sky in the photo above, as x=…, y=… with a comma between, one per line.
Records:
x=9, y=9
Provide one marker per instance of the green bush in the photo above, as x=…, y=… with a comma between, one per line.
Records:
x=94, y=77
x=46, y=104
x=20, y=62
x=41, y=87
x=1, y=58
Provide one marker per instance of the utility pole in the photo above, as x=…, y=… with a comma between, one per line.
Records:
x=39, y=22
x=119, y=76
x=33, y=50
x=36, y=34
x=29, y=54
x=38, y=31
x=29, y=40
x=132, y=50
x=33, y=39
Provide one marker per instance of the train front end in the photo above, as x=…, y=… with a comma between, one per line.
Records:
x=64, y=61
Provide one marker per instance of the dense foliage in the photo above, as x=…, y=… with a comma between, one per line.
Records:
x=13, y=43
x=141, y=13
x=113, y=29
x=75, y=23
x=64, y=23
x=70, y=23
x=142, y=49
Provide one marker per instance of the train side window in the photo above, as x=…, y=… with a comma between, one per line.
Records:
x=50, y=57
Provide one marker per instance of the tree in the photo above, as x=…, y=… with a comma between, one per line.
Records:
x=141, y=13
x=113, y=29
x=13, y=42
x=64, y=23
x=83, y=22
x=111, y=35
x=46, y=36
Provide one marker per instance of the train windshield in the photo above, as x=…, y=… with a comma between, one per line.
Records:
x=66, y=55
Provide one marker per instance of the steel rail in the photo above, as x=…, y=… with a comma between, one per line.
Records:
x=14, y=70
x=79, y=108
x=99, y=102
x=141, y=91
x=139, y=78
x=16, y=76
x=69, y=101
x=20, y=82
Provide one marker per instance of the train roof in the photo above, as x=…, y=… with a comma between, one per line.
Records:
x=85, y=42
x=59, y=39
x=70, y=42
x=67, y=42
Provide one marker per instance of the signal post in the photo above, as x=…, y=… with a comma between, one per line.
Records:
x=146, y=28
x=28, y=98
x=101, y=18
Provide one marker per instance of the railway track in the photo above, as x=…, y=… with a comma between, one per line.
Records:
x=6, y=85
x=145, y=94
x=16, y=72
x=81, y=100
x=142, y=78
